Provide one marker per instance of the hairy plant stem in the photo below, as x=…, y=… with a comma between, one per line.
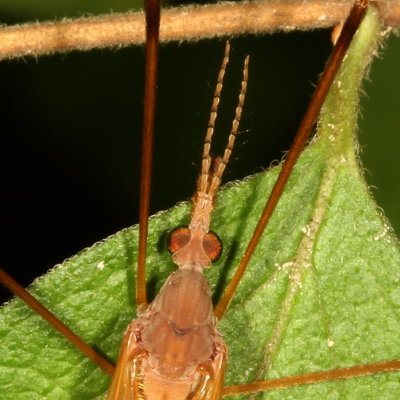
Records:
x=191, y=23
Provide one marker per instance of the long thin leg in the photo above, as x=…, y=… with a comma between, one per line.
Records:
x=153, y=21
x=152, y=33
x=353, y=21
x=21, y=292
x=323, y=376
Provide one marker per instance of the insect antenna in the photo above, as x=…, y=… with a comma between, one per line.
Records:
x=184, y=241
x=203, y=182
x=213, y=169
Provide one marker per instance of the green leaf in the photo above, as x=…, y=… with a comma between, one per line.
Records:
x=321, y=291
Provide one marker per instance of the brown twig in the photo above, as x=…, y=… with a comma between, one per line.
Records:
x=191, y=23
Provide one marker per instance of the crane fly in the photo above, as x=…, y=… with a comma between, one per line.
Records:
x=100, y=266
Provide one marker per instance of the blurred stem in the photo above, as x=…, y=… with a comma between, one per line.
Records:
x=191, y=23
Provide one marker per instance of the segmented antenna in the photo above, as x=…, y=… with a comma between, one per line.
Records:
x=206, y=160
x=220, y=163
x=210, y=180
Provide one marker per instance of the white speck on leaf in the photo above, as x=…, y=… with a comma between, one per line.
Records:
x=383, y=233
x=101, y=265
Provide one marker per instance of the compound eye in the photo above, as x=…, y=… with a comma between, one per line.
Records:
x=212, y=246
x=178, y=238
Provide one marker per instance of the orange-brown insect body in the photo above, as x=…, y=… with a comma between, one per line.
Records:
x=182, y=347
x=173, y=350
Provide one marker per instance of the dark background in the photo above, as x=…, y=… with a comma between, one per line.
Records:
x=70, y=129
